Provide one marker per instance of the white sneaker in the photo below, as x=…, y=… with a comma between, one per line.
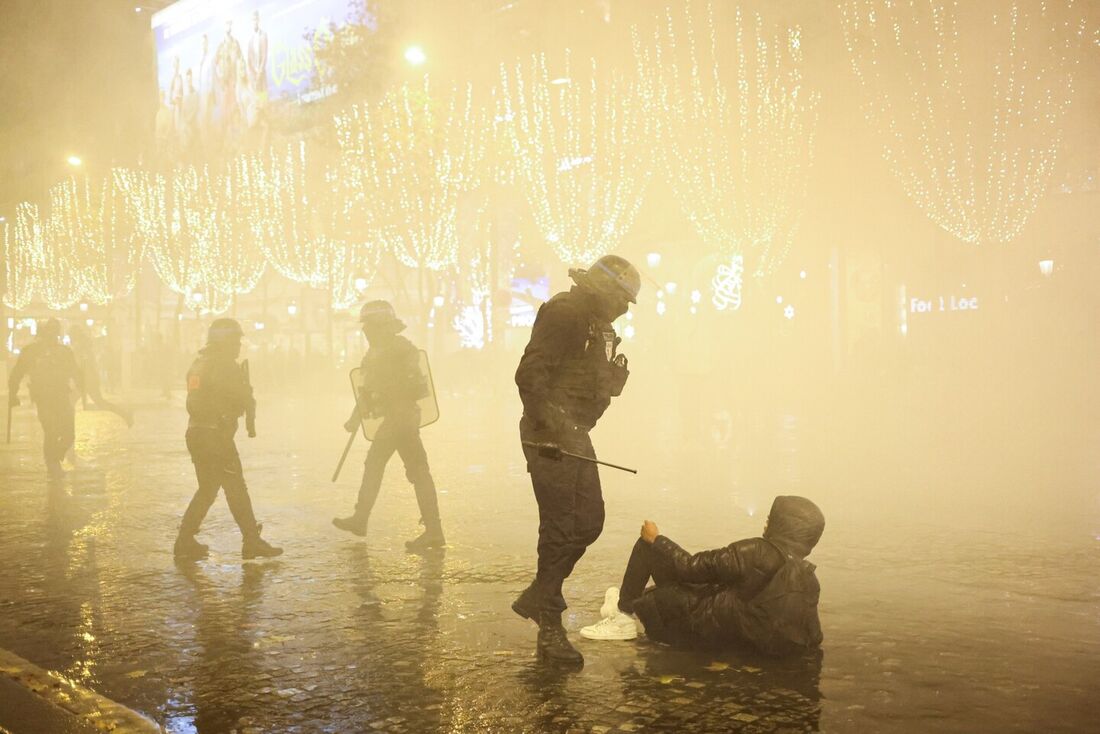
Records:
x=617, y=626
x=610, y=602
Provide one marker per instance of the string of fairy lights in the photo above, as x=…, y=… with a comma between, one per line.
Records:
x=972, y=137
x=736, y=127
x=718, y=106
x=582, y=153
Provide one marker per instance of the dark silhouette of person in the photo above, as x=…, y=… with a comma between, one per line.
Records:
x=53, y=369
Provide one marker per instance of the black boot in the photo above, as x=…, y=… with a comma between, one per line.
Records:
x=352, y=524
x=526, y=604
x=431, y=538
x=553, y=644
x=187, y=547
x=256, y=547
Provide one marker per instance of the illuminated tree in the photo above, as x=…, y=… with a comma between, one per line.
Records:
x=737, y=138
x=172, y=218
x=19, y=265
x=429, y=147
x=90, y=227
x=972, y=135
x=581, y=154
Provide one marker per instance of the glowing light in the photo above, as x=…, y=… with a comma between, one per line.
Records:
x=653, y=259
x=260, y=326
x=671, y=288
x=470, y=325
x=628, y=331
x=789, y=312
x=437, y=301
x=292, y=309
x=74, y=161
x=661, y=308
x=1046, y=267
x=415, y=55
x=360, y=284
x=802, y=274
x=779, y=299
x=584, y=208
x=727, y=284
x=83, y=306
x=972, y=131
x=737, y=141
x=696, y=296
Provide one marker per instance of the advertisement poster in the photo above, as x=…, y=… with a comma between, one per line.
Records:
x=220, y=63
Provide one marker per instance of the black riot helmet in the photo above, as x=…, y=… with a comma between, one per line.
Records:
x=611, y=275
x=224, y=331
x=379, y=316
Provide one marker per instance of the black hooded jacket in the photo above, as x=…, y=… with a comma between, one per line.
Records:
x=708, y=602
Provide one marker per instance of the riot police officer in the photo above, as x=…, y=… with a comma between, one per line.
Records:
x=393, y=383
x=52, y=367
x=218, y=394
x=567, y=376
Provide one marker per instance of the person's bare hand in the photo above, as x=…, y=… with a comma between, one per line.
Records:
x=649, y=531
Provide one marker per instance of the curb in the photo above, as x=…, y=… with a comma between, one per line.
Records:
x=72, y=699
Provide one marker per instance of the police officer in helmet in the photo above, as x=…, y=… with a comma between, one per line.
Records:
x=567, y=376
x=392, y=385
x=218, y=394
x=52, y=367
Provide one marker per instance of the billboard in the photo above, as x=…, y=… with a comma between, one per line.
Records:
x=220, y=63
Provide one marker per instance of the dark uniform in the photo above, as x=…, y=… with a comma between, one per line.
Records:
x=52, y=367
x=566, y=378
x=393, y=383
x=217, y=396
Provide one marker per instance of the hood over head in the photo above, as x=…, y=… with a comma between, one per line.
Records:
x=795, y=523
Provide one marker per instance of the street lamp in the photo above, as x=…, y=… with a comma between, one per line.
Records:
x=74, y=161
x=415, y=55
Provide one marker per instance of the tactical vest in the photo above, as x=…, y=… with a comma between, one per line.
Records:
x=50, y=372
x=581, y=384
x=213, y=393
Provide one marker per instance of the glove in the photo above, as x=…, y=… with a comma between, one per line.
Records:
x=351, y=424
x=619, y=373
x=13, y=399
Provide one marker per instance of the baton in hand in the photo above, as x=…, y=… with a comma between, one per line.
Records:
x=554, y=453
x=344, y=456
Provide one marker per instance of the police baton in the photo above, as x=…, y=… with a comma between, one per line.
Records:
x=344, y=456
x=554, y=453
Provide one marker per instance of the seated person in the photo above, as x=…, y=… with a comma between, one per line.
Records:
x=757, y=593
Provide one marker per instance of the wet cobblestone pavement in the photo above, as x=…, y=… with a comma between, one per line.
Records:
x=923, y=632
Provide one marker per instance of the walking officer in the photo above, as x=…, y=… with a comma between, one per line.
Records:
x=218, y=394
x=52, y=367
x=567, y=376
x=393, y=383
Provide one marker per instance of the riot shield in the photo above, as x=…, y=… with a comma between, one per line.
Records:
x=429, y=406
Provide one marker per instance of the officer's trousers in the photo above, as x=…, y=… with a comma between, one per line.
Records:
x=58, y=420
x=400, y=435
x=217, y=466
x=571, y=511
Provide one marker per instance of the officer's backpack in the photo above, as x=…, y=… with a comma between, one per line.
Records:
x=782, y=619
